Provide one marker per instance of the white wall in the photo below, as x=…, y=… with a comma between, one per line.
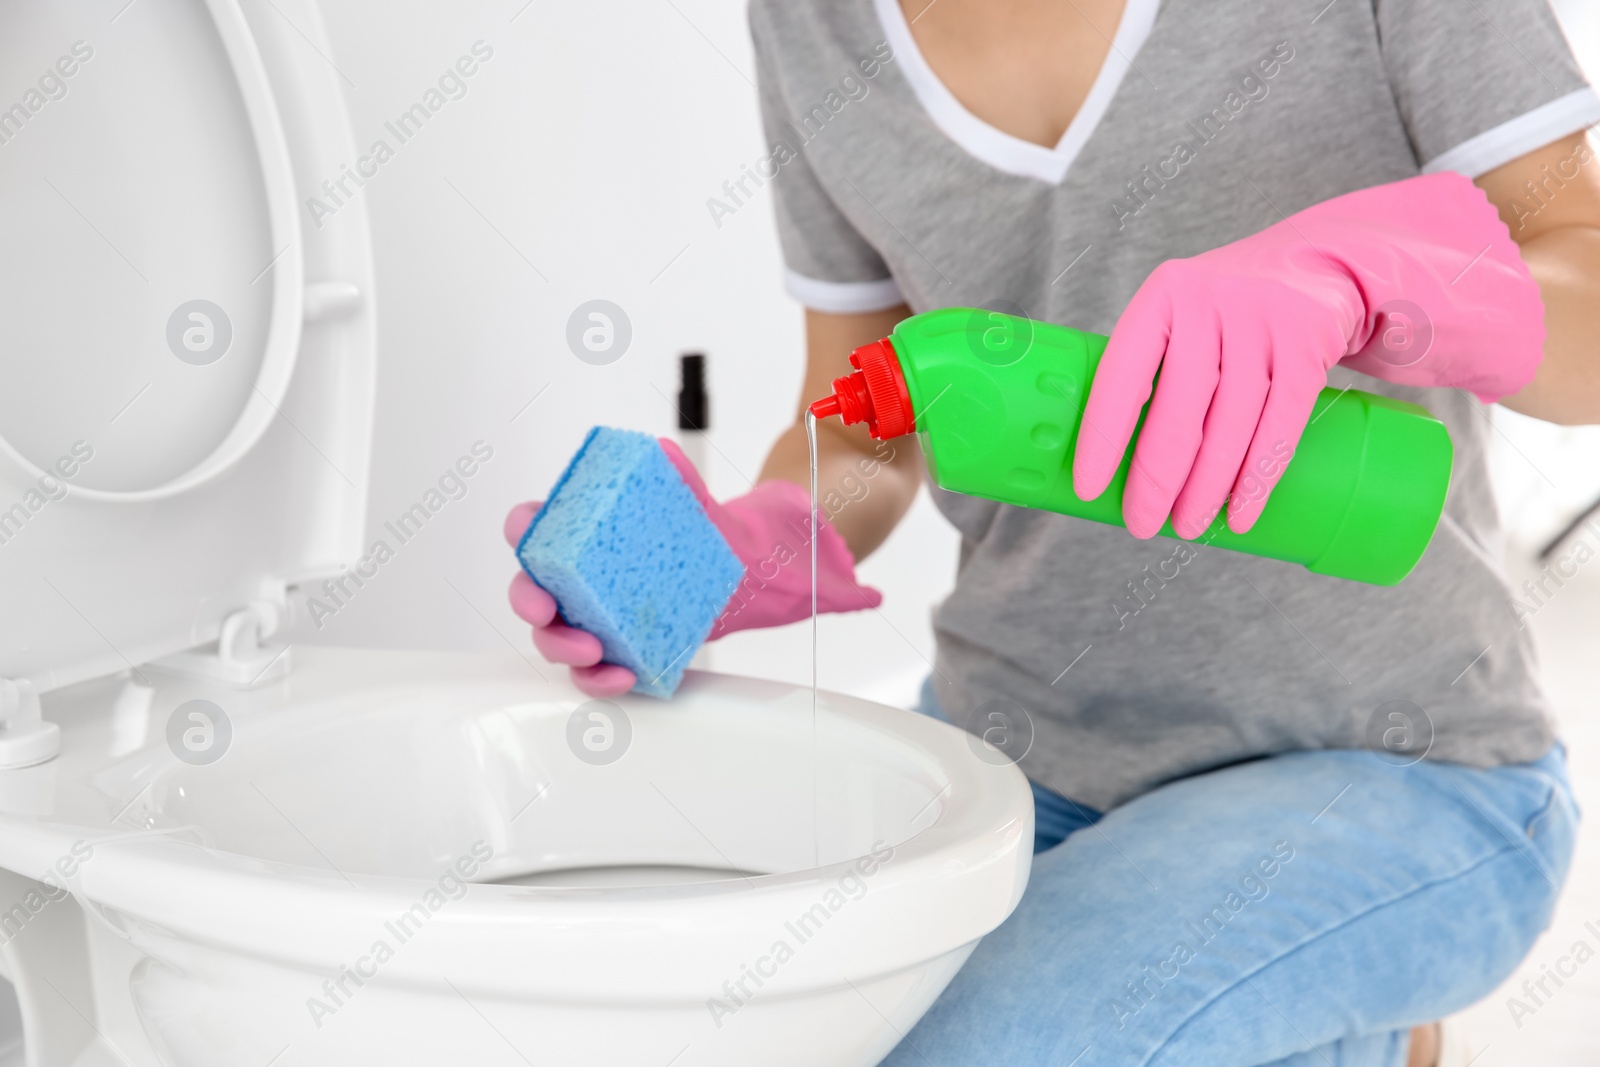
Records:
x=577, y=167
x=589, y=143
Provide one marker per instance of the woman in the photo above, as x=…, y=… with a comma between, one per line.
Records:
x=1282, y=818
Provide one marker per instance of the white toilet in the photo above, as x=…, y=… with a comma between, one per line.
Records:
x=218, y=851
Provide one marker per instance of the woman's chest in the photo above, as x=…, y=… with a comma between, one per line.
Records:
x=1024, y=67
x=1208, y=120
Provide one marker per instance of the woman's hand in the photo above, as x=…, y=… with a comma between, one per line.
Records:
x=767, y=528
x=1416, y=282
x=1242, y=354
x=555, y=640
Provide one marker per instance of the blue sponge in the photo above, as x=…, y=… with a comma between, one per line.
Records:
x=630, y=556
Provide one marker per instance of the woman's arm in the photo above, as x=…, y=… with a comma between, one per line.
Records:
x=1558, y=232
x=1557, y=226
x=864, y=486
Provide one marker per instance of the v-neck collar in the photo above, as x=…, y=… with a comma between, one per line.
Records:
x=992, y=145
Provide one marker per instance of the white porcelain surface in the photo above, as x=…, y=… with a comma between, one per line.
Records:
x=353, y=785
x=754, y=881
x=173, y=170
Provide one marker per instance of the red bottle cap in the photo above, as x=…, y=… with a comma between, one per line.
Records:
x=875, y=394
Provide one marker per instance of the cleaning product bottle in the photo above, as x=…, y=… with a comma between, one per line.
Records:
x=997, y=400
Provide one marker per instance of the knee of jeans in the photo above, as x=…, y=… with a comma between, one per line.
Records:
x=1529, y=879
x=1552, y=835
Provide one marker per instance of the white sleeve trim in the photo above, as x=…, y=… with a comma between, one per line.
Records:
x=1512, y=140
x=842, y=298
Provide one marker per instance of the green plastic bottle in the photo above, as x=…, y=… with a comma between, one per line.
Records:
x=997, y=401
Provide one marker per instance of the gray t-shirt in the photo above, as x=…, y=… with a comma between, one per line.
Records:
x=1211, y=118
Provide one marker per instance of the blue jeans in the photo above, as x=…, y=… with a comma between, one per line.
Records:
x=1303, y=910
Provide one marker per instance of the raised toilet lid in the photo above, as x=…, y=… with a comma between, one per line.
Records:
x=185, y=420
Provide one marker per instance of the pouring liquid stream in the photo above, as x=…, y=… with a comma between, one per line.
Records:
x=811, y=449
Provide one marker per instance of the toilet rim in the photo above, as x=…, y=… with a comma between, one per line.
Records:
x=976, y=853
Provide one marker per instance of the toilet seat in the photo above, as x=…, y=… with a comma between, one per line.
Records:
x=282, y=343
x=198, y=913
x=146, y=498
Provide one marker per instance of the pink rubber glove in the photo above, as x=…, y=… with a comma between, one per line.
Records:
x=1417, y=282
x=767, y=529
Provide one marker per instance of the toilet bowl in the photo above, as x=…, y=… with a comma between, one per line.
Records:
x=407, y=859
x=216, y=849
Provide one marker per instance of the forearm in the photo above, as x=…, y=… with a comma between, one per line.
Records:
x=1550, y=201
x=1566, y=264
x=864, y=487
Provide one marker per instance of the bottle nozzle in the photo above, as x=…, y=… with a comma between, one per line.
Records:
x=875, y=393
x=828, y=405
